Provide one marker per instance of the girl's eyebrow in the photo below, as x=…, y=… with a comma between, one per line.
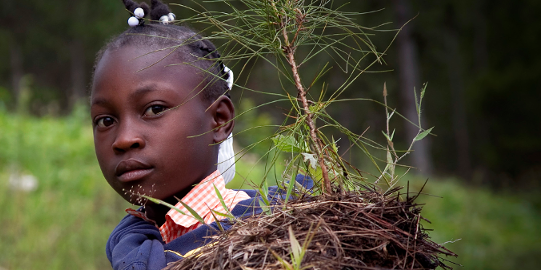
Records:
x=146, y=89
x=142, y=91
x=136, y=94
x=99, y=101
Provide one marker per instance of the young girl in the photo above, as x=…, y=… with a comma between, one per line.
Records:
x=160, y=109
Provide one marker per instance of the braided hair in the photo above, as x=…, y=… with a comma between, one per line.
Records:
x=181, y=41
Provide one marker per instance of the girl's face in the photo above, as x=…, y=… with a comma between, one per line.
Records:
x=142, y=138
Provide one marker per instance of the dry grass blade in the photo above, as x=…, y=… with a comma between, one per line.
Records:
x=356, y=230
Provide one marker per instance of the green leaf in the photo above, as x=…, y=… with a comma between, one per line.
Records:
x=157, y=201
x=221, y=214
x=287, y=144
x=334, y=145
x=286, y=265
x=289, y=188
x=266, y=209
x=301, y=189
x=222, y=202
x=423, y=92
x=295, y=247
x=264, y=192
x=423, y=134
x=386, y=135
x=314, y=108
x=195, y=214
x=212, y=211
x=416, y=102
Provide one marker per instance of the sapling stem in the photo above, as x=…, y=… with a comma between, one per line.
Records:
x=290, y=50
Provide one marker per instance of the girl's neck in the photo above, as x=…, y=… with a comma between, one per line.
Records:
x=157, y=212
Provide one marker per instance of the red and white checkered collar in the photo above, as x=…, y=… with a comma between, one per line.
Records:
x=201, y=199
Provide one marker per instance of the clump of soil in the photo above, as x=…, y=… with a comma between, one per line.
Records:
x=349, y=230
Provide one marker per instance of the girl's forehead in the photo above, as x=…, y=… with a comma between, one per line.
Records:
x=139, y=61
x=139, y=58
x=135, y=66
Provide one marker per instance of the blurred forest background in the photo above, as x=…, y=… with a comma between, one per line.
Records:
x=481, y=60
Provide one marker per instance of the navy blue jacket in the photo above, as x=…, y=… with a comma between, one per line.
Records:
x=137, y=244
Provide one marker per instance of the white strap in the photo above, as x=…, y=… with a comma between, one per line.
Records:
x=226, y=159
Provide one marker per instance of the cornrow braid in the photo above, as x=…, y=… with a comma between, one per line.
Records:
x=212, y=53
x=181, y=41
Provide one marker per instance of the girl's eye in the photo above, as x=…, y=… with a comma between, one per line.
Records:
x=155, y=110
x=105, y=122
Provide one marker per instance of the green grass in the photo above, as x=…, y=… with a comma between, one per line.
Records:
x=497, y=231
x=65, y=223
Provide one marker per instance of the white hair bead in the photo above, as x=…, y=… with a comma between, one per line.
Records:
x=164, y=19
x=139, y=13
x=230, y=79
x=171, y=16
x=133, y=21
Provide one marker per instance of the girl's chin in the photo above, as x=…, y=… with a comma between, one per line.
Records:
x=135, y=195
x=138, y=200
x=141, y=201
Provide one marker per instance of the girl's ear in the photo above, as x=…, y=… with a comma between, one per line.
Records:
x=223, y=112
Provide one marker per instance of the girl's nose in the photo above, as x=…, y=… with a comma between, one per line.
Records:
x=128, y=138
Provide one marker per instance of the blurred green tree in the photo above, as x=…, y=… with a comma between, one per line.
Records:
x=481, y=59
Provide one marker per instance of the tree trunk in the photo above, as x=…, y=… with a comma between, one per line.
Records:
x=480, y=37
x=16, y=62
x=78, y=72
x=456, y=86
x=409, y=80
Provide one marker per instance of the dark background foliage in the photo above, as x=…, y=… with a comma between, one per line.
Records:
x=481, y=60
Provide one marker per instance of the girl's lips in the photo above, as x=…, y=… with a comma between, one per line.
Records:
x=134, y=175
x=132, y=169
